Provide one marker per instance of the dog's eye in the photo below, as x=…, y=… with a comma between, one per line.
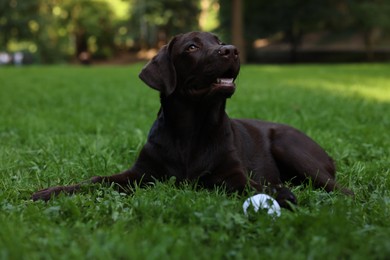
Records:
x=192, y=48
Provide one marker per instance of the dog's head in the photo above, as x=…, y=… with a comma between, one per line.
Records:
x=195, y=64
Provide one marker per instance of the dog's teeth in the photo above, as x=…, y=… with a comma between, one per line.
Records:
x=224, y=81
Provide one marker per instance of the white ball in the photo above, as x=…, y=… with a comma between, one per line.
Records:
x=262, y=201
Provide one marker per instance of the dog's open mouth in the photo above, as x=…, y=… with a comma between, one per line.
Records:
x=224, y=85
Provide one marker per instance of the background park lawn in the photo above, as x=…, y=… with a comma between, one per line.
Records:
x=60, y=125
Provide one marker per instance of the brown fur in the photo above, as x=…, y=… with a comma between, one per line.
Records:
x=194, y=139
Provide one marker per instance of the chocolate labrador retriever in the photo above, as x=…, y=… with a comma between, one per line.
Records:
x=194, y=139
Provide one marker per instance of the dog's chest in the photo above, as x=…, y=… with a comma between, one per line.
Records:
x=191, y=152
x=196, y=157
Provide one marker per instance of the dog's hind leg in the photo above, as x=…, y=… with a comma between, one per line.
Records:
x=299, y=158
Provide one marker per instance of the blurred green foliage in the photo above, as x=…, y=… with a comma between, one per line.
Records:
x=54, y=31
x=57, y=30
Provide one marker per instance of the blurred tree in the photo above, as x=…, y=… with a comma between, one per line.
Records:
x=90, y=23
x=15, y=20
x=294, y=19
x=54, y=29
x=238, y=28
x=371, y=18
x=50, y=39
x=289, y=19
x=57, y=29
x=153, y=21
x=208, y=18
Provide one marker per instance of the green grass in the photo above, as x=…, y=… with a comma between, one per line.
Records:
x=60, y=125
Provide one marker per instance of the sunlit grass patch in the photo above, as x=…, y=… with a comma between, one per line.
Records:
x=368, y=81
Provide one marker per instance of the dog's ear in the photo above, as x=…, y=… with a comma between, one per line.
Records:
x=159, y=73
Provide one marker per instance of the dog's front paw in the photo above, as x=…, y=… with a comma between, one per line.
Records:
x=286, y=198
x=47, y=194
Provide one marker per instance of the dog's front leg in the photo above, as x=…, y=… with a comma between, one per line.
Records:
x=236, y=180
x=233, y=177
x=50, y=192
x=121, y=180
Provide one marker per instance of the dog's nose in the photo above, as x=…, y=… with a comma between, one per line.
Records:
x=228, y=51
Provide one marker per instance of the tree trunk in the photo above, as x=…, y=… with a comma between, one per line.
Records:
x=370, y=37
x=238, y=29
x=294, y=36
